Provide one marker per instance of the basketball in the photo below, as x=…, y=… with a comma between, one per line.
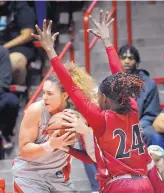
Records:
x=55, y=123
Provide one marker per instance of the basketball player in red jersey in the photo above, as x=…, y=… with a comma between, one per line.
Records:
x=153, y=173
x=120, y=153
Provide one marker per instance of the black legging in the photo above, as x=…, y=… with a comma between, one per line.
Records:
x=9, y=107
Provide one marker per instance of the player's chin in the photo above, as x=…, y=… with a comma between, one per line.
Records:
x=49, y=109
x=127, y=71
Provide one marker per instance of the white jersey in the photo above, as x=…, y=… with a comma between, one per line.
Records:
x=46, y=166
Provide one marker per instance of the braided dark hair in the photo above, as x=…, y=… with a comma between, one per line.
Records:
x=120, y=88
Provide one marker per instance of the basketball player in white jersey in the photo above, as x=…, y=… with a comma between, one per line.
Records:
x=41, y=166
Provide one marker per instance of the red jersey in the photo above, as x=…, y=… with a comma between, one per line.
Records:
x=121, y=150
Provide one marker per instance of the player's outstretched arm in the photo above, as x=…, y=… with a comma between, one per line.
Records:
x=79, y=154
x=91, y=112
x=102, y=30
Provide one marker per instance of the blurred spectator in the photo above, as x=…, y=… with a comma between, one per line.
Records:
x=41, y=11
x=9, y=104
x=91, y=171
x=148, y=102
x=158, y=124
x=17, y=22
x=157, y=147
x=55, y=8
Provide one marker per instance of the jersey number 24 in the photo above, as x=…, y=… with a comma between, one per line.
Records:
x=136, y=144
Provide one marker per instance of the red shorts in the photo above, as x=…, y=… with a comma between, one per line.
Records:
x=136, y=184
x=156, y=181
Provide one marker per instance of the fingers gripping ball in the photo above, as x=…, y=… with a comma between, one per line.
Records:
x=55, y=123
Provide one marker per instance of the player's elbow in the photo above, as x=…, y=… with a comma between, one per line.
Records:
x=24, y=150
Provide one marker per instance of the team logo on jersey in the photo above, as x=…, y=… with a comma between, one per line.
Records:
x=59, y=174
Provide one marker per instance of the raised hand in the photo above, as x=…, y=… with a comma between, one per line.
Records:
x=45, y=37
x=102, y=28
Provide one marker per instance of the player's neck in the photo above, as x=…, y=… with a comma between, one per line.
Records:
x=114, y=107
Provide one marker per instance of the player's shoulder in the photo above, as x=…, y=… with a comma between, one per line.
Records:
x=114, y=117
x=110, y=116
x=35, y=108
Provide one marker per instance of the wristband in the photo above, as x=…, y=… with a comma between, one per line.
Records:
x=46, y=146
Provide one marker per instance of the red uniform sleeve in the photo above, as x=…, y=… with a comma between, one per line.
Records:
x=114, y=62
x=81, y=155
x=91, y=112
x=115, y=66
